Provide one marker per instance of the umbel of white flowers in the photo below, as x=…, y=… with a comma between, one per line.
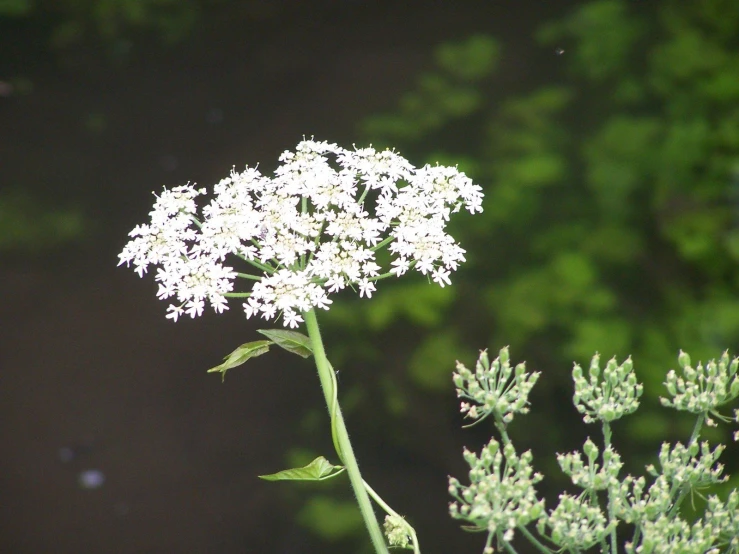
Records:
x=311, y=229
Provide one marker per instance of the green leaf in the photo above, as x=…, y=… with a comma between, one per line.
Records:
x=242, y=354
x=319, y=469
x=292, y=341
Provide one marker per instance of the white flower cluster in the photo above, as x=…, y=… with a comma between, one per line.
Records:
x=312, y=229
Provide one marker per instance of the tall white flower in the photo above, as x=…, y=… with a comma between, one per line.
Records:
x=313, y=228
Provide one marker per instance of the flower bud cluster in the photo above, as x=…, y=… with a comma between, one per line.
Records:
x=681, y=467
x=609, y=395
x=702, y=389
x=667, y=535
x=495, y=388
x=591, y=477
x=396, y=531
x=633, y=505
x=575, y=523
x=724, y=516
x=579, y=523
x=501, y=495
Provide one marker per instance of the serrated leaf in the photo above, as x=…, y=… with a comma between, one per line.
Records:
x=292, y=341
x=241, y=355
x=319, y=469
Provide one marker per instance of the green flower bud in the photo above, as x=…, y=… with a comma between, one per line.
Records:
x=484, y=360
x=503, y=355
x=628, y=365
x=576, y=373
x=711, y=369
x=595, y=366
x=509, y=451
x=608, y=414
x=520, y=370
x=591, y=451
x=734, y=389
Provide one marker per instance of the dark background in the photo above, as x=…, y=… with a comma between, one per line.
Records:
x=87, y=360
x=98, y=111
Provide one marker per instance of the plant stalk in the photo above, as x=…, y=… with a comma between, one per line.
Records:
x=346, y=453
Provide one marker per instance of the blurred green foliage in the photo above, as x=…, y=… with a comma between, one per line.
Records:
x=171, y=20
x=110, y=20
x=330, y=518
x=326, y=508
x=116, y=27
x=28, y=225
x=611, y=217
x=15, y=8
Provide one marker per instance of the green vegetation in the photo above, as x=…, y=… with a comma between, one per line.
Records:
x=29, y=225
x=109, y=20
x=611, y=217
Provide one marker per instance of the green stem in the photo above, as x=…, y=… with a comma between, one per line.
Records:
x=502, y=429
x=682, y=491
x=607, y=434
x=345, y=451
x=533, y=540
x=260, y=266
x=382, y=243
x=700, y=420
x=509, y=547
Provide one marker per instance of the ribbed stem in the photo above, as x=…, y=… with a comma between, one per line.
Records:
x=344, y=446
